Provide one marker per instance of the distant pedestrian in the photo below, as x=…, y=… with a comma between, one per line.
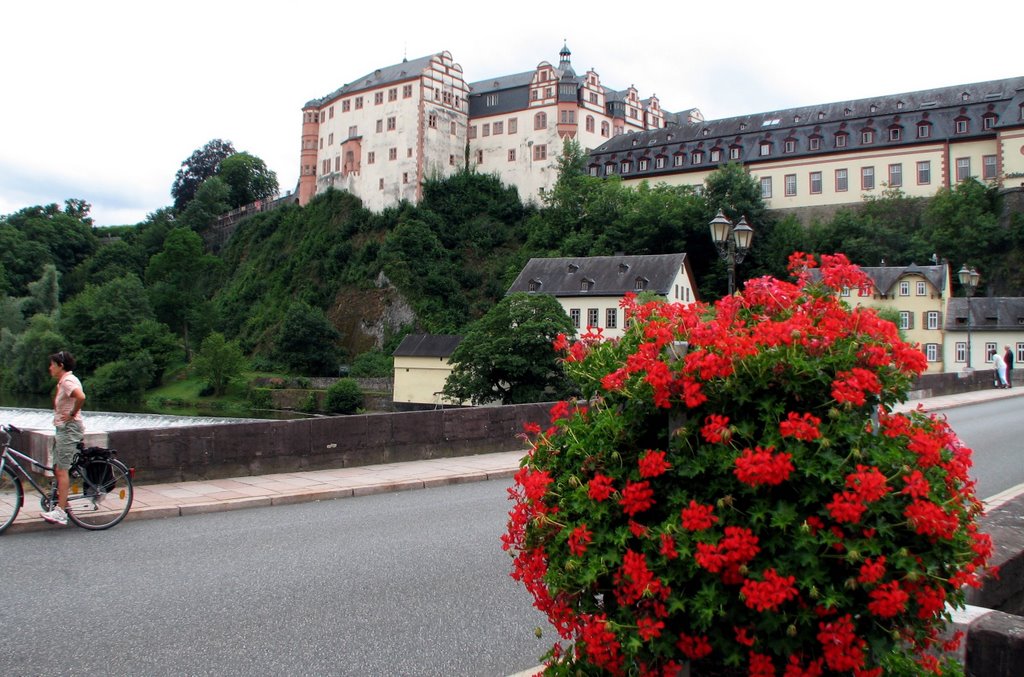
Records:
x=1000, y=369
x=70, y=430
x=1008, y=359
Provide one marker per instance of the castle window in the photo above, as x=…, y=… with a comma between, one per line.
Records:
x=988, y=167
x=867, y=178
x=789, y=146
x=989, y=121
x=512, y=157
x=895, y=133
x=540, y=151
x=697, y=157
x=716, y=155
x=867, y=136
x=540, y=121
x=814, y=143
x=961, y=126
x=815, y=183
x=841, y=139
x=734, y=152
x=406, y=91
x=895, y=175
x=924, y=130
x=765, y=149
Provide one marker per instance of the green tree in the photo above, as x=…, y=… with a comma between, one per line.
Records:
x=962, y=225
x=248, y=179
x=197, y=168
x=219, y=361
x=98, y=321
x=508, y=356
x=159, y=344
x=212, y=199
x=44, y=293
x=181, y=279
x=306, y=342
x=344, y=397
x=29, y=356
x=35, y=236
x=123, y=380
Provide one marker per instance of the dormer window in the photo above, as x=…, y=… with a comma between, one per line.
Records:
x=572, y=268
x=961, y=125
x=766, y=148
x=821, y=116
x=640, y=284
x=989, y=121
x=623, y=268
x=535, y=285
x=899, y=105
x=734, y=152
x=895, y=133
x=841, y=138
x=716, y=154
x=586, y=285
x=867, y=136
x=924, y=130
x=965, y=96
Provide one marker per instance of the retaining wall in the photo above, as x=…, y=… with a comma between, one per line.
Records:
x=204, y=452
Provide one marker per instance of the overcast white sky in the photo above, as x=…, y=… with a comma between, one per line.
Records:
x=103, y=100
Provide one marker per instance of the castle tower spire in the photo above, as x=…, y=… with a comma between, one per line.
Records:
x=564, y=57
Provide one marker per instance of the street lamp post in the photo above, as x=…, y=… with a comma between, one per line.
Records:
x=732, y=242
x=969, y=279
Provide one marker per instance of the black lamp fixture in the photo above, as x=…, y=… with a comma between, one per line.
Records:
x=732, y=242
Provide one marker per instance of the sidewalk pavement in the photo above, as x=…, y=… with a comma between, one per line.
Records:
x=192, y=498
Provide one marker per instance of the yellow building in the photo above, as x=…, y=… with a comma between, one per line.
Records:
x=828, y=155
x=421, y=369
x=591, y=288
x=995, y=323
x=917, y=295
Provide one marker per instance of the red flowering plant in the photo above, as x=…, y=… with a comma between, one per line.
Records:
x=738, y=495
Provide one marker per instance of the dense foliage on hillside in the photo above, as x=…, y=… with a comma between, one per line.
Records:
x=307, y=289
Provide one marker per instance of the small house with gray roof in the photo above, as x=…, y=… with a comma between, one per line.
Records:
x=995, y=322
x=421, y=368
x=591, y=288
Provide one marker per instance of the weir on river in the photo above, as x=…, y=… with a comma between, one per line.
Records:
x=103, y=421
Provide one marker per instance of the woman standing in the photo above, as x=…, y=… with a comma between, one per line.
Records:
x=1000, y=367
x=69, y=429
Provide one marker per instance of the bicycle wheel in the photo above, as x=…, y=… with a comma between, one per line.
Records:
x=102, y=496
x=11, y=497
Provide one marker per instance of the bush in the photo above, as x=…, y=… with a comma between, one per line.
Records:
x=372, y=364
x=310, y=403
x=344, y=397
x=122, y=380
x=747, y=501
x=260, y=398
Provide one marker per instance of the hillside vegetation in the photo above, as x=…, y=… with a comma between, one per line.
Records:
x=304, y=290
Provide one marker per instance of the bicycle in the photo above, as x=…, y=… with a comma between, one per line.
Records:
x=99, y=497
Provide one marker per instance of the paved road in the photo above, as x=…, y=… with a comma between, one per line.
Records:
x=995, y=431
x=412, y=583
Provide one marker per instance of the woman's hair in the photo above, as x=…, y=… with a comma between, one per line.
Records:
x=64, y=360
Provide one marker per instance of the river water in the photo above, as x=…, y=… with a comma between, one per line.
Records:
x=106, y=421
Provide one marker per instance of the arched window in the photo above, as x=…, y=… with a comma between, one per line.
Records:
x=605, y=129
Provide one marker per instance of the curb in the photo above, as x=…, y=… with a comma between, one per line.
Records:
x=28, y=520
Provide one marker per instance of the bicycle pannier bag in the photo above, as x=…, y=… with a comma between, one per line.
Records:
x=98, y=475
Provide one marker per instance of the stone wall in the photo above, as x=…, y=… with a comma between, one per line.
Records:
x=255, y=448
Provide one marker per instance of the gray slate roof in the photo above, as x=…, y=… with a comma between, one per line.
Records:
x=886, y=277
x=382, y=76
x=427, y=345
x=987, y=313
x=939, y=107
x=609, y=275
